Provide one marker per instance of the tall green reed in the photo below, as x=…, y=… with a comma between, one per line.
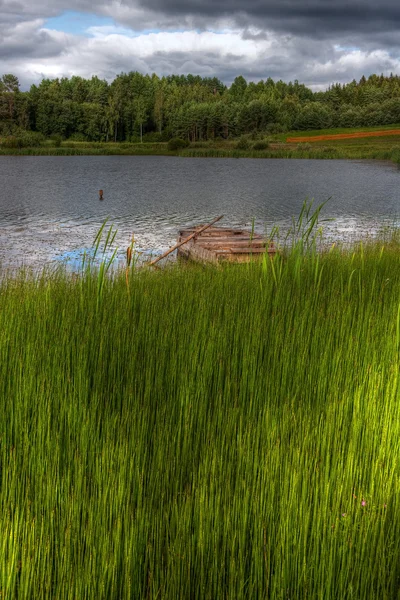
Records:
x=100, y=259
x=216, y=436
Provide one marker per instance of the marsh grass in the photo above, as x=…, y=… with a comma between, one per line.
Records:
x=351, y=152
x=207, y=433
x=86, y=149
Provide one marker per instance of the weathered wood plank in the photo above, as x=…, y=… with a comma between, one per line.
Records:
x=197, y=253
x=250, y=250
x=241, y=251
x=233, y=244
x=228, y=238
x=221, y=233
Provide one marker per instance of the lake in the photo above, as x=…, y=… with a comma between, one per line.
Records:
x=50, y=210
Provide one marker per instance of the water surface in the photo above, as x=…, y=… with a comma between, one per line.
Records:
x=50, y=209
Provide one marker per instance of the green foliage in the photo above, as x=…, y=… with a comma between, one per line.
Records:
x=261, y=145
x=8, y=128
x=314, y=115
x=10, y=141
x=256, y=115
x=28, y=139
x=177, y=144
x=204, y=144
x=153, y=137
x=56, y=140
x=78, y=137
x=243, y=143
x=238, y=88
x=273, y=128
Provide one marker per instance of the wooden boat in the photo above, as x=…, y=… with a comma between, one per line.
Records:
x=205, y=243
x=218, y=244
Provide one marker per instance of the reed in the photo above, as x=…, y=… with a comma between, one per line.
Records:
x=205, y=433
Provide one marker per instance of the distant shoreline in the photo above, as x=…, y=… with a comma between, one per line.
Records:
x=378, y=143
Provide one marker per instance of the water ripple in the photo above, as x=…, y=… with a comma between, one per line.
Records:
x=50, y=210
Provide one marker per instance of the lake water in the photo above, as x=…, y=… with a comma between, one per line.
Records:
x=50, y=210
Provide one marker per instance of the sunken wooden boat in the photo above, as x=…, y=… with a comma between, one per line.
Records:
x=222, y=244
x=206, y=243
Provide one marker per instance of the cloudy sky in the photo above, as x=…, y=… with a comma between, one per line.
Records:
x=317, y=42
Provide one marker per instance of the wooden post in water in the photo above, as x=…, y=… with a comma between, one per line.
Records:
x=190, y=237
x=101, y=195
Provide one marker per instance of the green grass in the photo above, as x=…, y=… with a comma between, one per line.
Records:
x=203, y=433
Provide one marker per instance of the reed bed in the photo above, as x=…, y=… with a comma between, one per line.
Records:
x=352, y=149
x=99, y=150
x=335, y=152
x=203, y=433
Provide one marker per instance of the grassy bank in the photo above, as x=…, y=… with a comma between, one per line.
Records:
x=203, y=433
x=302, y=152
x=227, y=151
x=275, y=146
x=90, y=149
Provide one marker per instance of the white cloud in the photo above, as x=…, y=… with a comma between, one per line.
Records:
x=107, y=30
x=346, y=65
x=186, y=41
x=31, y=50
x=107, y=53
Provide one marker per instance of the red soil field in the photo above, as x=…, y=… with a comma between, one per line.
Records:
x=344, y=136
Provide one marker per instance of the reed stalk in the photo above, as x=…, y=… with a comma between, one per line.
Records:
x=224, y=433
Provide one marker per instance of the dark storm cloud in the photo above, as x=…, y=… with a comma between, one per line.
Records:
x=271, y=65
x=309, y=17
x=23, y=10
x=38, y=45
x=319, y=18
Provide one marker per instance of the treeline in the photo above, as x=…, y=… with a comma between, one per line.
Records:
x=138, y=107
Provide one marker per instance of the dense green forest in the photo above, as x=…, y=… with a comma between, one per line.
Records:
x=136, y=107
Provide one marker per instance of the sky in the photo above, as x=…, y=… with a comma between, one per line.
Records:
x=318, y=42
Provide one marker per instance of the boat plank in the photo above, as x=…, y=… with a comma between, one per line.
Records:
x=229, y=242
x=242, y=251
